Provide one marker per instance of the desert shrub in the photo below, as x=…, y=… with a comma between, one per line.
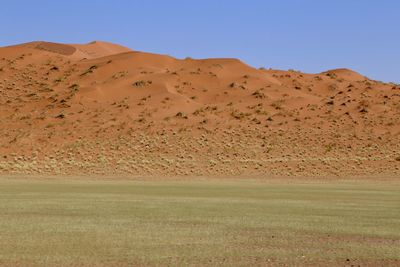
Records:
x=89, y=70
x=74, y=87
x=239, y=115
x=258, y=94
x=181, y=115
x=142, y=83
x=331, y=75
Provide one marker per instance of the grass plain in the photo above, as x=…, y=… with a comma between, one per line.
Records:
x=198, y=223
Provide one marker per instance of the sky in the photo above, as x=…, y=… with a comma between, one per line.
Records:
x=307, y=35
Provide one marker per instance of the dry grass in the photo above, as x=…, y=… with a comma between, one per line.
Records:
x=99, y=223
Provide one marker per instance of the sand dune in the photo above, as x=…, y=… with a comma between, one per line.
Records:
x=103, y=108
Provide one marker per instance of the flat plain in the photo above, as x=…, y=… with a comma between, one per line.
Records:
x=198, y=223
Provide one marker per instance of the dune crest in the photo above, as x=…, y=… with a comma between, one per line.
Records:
x=62, y=49
x=347, y=74
x=92, y=50
x=97, y=49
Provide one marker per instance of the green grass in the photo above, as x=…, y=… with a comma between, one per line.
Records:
x=99, y=223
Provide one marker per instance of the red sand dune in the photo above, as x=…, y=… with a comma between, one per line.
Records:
x=103, y=108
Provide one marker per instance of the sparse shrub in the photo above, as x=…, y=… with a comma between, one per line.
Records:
x=239, y=115
x=119, y=74
x=330, y=147
x=260, y=111
x=142, y=83
x=258, y=94
x=60, y=116
x=181, y=115
x=89, y=70
x=74, y=87
x=256, y=121
x=333, y=87
x=211, y=108
x=26, y=117
x=198, y=111
x=277, y=104
x=331, y=75
x=46, y=89
x=363, y=106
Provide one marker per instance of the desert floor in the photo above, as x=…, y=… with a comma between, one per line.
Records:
x=98, y=222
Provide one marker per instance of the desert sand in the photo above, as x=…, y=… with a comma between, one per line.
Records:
x=101, y=108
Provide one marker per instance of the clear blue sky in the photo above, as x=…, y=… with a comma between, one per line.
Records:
x=306, y=35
